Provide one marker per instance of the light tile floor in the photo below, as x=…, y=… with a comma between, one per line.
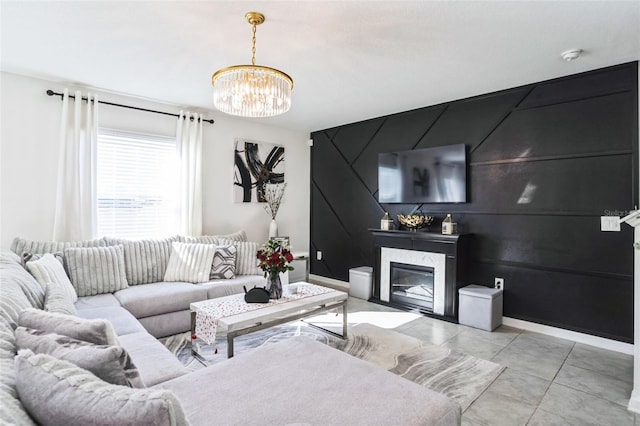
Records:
x=547, y=380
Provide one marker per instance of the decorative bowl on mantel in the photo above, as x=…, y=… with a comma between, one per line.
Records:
x=415, y=221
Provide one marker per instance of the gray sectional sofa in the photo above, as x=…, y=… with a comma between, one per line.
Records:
x=297, y=381
x=161, y=307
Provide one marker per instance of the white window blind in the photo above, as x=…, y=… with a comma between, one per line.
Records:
x=137, y=177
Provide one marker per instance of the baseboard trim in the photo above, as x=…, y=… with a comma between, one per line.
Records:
x=329, y=282
x=634, y=402
x=587, y=339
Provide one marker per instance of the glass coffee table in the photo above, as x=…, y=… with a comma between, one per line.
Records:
x=233, y=317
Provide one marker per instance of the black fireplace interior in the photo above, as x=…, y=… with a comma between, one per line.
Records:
x=412, y=284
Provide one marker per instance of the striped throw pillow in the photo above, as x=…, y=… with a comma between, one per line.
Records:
x=48, y=269
x=203, y=239
x=236, y=236
x=215, y=239
x=146, y=260
x=20, y=245
x=246, y=257
x=190, y=262
x=96, y=270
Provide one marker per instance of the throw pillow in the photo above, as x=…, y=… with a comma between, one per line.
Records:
x=110, y=363
x=26, y=257
x=56, y=299
x=214, y=239
x=246, y=257
x=98, y=331
x=236, y=236
x=20, y=245
x=190, y=262
x=96, y=270
x=146, y=260
x=224, y=263
x=203, y=239
x=57, y=392
x=48, y=269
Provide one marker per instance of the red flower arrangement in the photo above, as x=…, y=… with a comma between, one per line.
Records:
x=274, y=258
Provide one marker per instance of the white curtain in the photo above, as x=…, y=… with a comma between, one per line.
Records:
x=76, y=202
x=189, y=145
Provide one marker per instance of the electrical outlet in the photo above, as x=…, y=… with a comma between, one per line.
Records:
x=499, y=283
x=318, y=255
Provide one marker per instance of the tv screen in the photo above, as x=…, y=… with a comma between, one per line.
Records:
x=428, y=175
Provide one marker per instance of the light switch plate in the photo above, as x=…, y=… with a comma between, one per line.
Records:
x=609, y=223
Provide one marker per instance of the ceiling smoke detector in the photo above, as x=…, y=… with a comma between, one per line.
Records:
x=570, y=55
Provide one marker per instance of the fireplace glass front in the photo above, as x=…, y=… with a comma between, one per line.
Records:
x=412, y=284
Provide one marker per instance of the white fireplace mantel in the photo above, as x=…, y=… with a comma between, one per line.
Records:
x=437, y=261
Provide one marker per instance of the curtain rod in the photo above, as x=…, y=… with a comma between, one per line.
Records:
x=52, y=93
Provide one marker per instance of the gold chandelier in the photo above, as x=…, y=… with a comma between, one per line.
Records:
x=252, y=90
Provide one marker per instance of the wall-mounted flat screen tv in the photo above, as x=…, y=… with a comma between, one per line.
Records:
x=428, y=175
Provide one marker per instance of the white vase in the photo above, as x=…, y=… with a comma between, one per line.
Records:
x=273, y=229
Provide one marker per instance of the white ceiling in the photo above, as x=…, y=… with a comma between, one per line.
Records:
x=350, y=60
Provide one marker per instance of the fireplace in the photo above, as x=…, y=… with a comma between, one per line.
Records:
x=420, y=271
x=412, y=285
x=414, y=269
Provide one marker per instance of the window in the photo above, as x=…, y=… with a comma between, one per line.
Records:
x=137, y=177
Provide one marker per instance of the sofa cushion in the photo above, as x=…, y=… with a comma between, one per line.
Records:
x=98, y=331
x=96, y=270
x=327, y=386
x=57, y=299
x=154, y=361
x=110, y=363
x=19, y=290
x=21, y=245
x=12, y=412
x=202, y=239
x=121, y=319
x=165, y=325
x=146, y=260
x=46, y=268
x=97, y=301
x=160, y=298
x=213, y=239
x=224, y=263
x=190, y=262
x=58, y=392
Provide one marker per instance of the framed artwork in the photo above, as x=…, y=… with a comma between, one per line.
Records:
x=255, y=165
x=283, y=241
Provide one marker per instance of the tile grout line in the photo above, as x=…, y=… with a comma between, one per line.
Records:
x=549, y=386
x=587, y=369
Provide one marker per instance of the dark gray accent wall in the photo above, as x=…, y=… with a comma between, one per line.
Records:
x=571, y=142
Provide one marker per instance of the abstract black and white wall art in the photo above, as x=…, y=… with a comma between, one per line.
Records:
x=255, y=165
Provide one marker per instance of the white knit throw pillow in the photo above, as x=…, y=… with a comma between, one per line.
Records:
x=190, y=262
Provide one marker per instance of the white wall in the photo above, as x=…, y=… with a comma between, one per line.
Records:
x=29, y=121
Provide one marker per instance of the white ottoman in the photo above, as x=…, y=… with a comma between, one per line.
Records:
x=361, y=282
x=480, y=307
